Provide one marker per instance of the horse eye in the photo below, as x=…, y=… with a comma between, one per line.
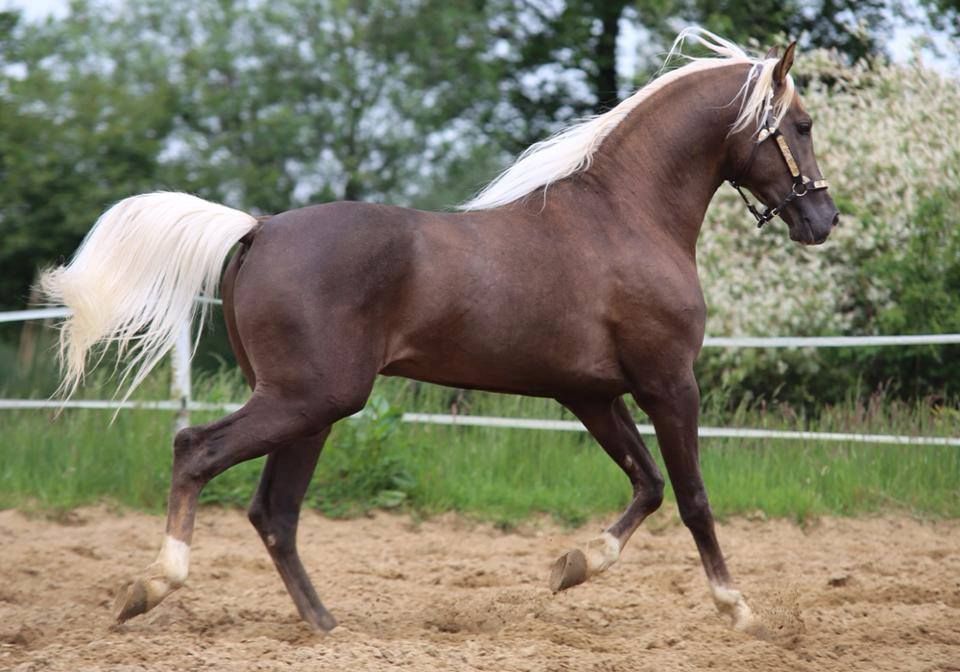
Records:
x=803, y=128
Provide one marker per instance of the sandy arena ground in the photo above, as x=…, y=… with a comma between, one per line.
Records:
x=447, y=594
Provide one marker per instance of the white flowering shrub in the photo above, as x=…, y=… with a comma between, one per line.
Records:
x=886, y=137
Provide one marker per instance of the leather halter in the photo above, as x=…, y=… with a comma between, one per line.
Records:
x=802, y=185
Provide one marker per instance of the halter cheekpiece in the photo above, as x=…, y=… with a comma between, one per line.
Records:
x=802, y=185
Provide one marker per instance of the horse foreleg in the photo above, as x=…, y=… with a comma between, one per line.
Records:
x=609, y=422
x=674, y=411
x=275, y=512
x=263, y=424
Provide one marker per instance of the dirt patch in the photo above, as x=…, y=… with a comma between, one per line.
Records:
x=842, y=594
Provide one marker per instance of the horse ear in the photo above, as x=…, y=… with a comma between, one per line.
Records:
x=772, y=53
x=784, y=65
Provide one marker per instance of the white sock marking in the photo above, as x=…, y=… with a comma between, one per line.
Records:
x=602, y=552
x=730, y=601
x=174, y=559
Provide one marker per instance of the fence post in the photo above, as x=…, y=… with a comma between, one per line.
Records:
x=180, y=384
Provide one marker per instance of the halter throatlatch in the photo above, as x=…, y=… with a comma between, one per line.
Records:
x=802, y=185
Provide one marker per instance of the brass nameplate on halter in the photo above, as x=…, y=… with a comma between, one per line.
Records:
x=788, y=156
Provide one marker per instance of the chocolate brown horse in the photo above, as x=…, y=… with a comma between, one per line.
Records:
x=573, y=276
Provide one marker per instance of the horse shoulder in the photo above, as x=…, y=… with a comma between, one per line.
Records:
x=657, y=306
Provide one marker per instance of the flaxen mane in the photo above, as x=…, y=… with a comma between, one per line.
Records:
x=572, y=149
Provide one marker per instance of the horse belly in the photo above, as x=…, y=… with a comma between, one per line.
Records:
x=538, y=367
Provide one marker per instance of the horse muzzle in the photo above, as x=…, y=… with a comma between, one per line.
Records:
x=808, y=230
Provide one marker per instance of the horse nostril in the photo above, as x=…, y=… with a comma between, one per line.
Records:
x=836, y=219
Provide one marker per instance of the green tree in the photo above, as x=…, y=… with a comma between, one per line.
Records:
x=72, y=139
x=923, y=279
x=564, y=56
x=944, y=14
x=266, y=107
x=298, y=102
x=855, y=29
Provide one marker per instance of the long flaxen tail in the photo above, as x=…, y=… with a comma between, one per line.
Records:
x=135, y=279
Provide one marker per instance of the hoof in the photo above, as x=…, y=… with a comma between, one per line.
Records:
x=138, y=597
x=131, y=601
x=569, y=570
x=321, y=620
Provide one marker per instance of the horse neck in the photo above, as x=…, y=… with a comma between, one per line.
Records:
x=663, y=163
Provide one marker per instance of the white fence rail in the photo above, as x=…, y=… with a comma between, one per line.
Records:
x=827, y=341
x=183, y=404
x=503, y=423
x=38, y=314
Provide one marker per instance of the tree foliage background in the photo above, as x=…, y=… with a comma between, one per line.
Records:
x=273, y=105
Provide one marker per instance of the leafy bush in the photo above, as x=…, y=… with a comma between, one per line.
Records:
x=362, y=467
x=922, y=281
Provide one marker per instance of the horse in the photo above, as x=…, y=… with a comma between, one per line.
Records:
x=572, y=276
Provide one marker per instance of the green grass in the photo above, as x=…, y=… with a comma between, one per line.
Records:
x=496, y=474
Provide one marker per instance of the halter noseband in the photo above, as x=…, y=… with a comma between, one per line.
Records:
x=802, y=185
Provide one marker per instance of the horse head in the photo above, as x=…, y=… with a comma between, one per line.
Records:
x=774, y=157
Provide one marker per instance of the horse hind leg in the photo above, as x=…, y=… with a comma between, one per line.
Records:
x=275, y=513
x=613, y=428
x=275, y=418
x=275, y=508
